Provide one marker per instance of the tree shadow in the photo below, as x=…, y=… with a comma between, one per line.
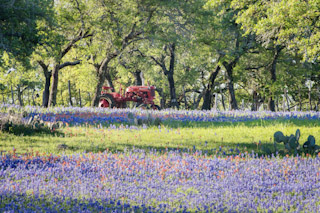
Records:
x=252, y=123
x=23, y=131
x=40, y=203
x=221, y=148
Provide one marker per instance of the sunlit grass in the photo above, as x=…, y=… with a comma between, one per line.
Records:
x=210, y=138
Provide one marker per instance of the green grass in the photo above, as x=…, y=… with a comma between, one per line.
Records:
x=244, y=136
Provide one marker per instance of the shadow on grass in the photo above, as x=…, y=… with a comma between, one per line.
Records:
x=224, y=149
x=201, y=124
x=264, y=123
x=23, y=131
x=40, y=203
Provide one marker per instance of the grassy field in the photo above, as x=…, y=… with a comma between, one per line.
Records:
x=211, y=138
x=90, y=171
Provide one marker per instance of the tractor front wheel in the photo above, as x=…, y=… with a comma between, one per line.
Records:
x=155, y=107
x=107, y=101
x=143, y=106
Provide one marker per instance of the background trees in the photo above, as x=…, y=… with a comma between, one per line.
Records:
x=198, y=53
x=19, y=29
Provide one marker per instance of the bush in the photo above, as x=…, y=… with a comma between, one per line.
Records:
x=19, y=124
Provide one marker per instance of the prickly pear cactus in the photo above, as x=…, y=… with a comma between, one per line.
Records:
x=298, y=134
x=310, y=145
x=278, y=137
x=312, y=141
x=291, y=143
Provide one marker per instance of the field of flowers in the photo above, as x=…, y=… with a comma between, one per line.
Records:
x=141, y=181
x=157, y=180
x=88, y=115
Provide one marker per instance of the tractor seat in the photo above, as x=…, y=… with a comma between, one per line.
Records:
x=106, y=88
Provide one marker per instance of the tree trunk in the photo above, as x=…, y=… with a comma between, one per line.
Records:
x=287, y=99
x=300, y=100
x=215, y=101
x=89, y=98
x=109, y=80
x=80, y=102
x=207, y=99
x=272, y=68
x=318, y=103
x=12, y=96
x=197, y=102
x=173, y=98
x=222, y=100
x=184, y=98
x=271, y=104
x=310, y=101
x=169, y=73
x=33, y=101
x=232, y=96
x=254, y=101
x=46, y=91
x=103, y=73
x=229, y=69
x=163, y=99
x=28, y=92
x=70, y=96
x=97, y=91
x=62, y=101
x=54, y=88
x=19, y=92
x=138, y=77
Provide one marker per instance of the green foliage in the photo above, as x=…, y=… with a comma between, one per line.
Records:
x=207, y=34
x=290, y=23
x=19, y=31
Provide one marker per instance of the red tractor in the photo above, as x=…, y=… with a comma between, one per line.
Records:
x=142, y=95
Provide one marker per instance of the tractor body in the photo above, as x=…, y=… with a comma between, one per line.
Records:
x=142, y=95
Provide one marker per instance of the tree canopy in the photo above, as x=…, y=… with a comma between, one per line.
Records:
x=200, y=54
x=20, y=28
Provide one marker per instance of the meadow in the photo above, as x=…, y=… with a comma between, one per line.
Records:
x=191, y=161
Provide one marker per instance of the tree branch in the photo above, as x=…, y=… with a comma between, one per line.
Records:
x=256, y=68
x=69, y=64
x=47, y=73
x=172, y=57
x=42, y=64
x=81, y=15
x=80, y=36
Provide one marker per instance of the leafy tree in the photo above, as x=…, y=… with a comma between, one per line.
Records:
x=69, y=28
x=117, y=25
x=291, y=23
x=16, y=76
x=232, y=45
x=19, y=30
x=169, y=40
x=281, y=24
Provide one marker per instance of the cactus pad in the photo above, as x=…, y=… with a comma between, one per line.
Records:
x=312, y=140
x=278, y=137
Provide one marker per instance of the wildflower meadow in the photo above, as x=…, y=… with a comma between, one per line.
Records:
x=102, y=160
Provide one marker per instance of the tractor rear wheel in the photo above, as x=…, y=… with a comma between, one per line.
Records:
x=107, y=101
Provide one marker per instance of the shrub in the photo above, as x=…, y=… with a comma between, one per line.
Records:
x=18, y=123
